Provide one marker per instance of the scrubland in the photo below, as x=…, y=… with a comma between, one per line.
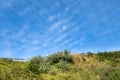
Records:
x=64, y=66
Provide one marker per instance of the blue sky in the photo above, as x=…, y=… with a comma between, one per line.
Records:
x=40, y=27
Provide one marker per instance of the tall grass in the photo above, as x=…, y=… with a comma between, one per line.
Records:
x=82, y=67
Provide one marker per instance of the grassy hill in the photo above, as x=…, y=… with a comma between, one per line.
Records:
x=64, y=66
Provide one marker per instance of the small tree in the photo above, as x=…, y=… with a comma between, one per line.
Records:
x=89, y=54
x=66, y=52
x=34, y=64
x=57, y=57
x=63, y=66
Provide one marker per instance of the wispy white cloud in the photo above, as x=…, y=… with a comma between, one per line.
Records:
x=24, y=11
x=82, y=41
x=35, y=42
x=6, y=49
x=51, y=18
x=6, y=3
x=73, y=4
x=45, y=44
x=28, y=43
x=111, y=48
x=73, y=43
x=106, y=49
x=83, y=3
x=62, y=29
x=106, y=32
x=23, y=30
x=67, y=8
x=67, y=41
x=57, y=4
x=60, y=38
x=55, y=25
x=19, y=35
x=30, y=52
x=6, y=53
x=43, y=11
x=79, y=42
x=63, y=24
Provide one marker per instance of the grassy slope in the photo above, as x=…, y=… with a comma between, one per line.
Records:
x=85, y=68
x=10, y=70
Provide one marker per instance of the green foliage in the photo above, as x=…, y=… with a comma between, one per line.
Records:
x=38, y=65
x=36, y=60
x=44, y=67
x=58, y=67
x=113, y=57
x=56, y=57
x=63, y=66
x=10, y=70
x=7, y=59
x=111, y=74
x=109, y=55
x=89, y=54
x=66, y=52
x=34, y=64
x=53, y=71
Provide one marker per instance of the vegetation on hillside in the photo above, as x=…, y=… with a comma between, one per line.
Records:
x=112, y=57
x=64, y=66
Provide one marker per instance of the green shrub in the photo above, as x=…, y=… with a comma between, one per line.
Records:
x=63, y=66
x=112, y=57
x=44, y=67
x=37, y=60
x=56, y=57
x=89, y=54
x=111, y=74
x=53, y=71
x=34, y=64
x=7, y=59
x=66, y=52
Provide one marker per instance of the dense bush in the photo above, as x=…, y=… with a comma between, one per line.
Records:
x=63, y=66
x=39, y=68
x=12, y=70
x=53, y=70
x=111, y=56
x=44, y=67
x=39, y=65
x=7, y=59
x=111, y=74
x=34, y=64
x=89, y=54
x=57, y=57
